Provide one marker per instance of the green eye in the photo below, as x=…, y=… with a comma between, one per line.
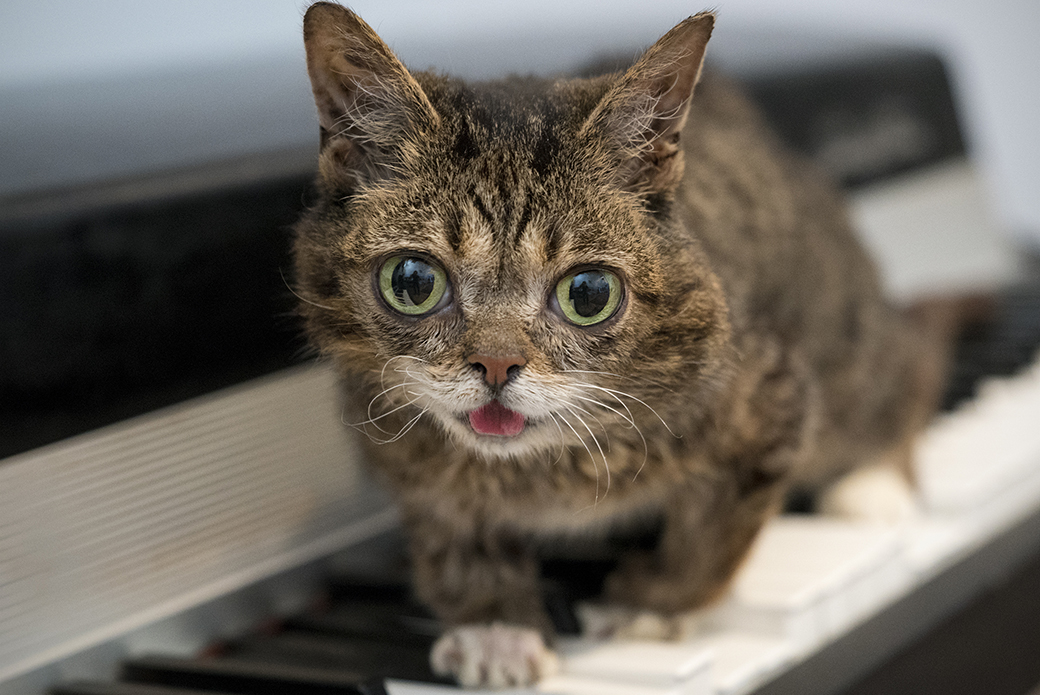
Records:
x=589, y=297
x=411, y=285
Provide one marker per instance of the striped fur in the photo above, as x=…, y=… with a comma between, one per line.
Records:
x=752, y=348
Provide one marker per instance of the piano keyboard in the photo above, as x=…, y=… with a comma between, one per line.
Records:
x=810, y=586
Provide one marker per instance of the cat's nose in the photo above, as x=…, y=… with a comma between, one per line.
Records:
x=497, y=367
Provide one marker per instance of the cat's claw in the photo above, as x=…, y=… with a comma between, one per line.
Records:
x=493, y=656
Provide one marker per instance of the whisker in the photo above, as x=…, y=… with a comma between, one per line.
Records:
x=403, y=431
x=372, y=420
x=563, y=443
x=300, y=296
x=632, y=425
x=591, y=456
x=617, y=396
x=606, y=466
x=407, y=384
x=631, y=418
x=627, y=418
x=409, y=425
x=575, y=406
x=371, y=403
x=642, y=379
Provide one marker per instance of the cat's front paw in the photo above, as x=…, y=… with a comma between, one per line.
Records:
x=877, y=494
x=605, y=621
x=493, y=656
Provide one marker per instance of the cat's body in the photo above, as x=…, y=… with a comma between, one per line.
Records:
x=724, y=336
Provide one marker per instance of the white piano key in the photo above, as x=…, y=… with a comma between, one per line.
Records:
x=877, y=586
x=979, y=472
x=396, y=687
x=1003, y=510
x=742, y=661
x=655, y=664
x=932, y=542
x=808, y=578
x=985, y=448
x=566, y=684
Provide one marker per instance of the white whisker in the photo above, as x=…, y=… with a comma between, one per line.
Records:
x=591, y=455
x=641, y=379
x=371, y=403
x=300, y=296
x=569, y=405
x=372, y=420
x=404, y=430
x=617, y=395
x=627, y=418
x=606, y=466
x=563, y=442
x=632, y=425
x=414, y=397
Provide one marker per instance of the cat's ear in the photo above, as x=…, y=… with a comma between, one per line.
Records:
x=642, y=115
x=371, y=110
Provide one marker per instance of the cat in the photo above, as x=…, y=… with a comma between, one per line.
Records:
x=559, y=306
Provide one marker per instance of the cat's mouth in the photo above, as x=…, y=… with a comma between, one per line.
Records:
x=496, y=419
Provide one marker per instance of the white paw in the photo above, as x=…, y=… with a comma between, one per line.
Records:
x=878, y=494
x=493, y=656
x=600, y=621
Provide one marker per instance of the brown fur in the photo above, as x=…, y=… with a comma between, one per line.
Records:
x=752, y=349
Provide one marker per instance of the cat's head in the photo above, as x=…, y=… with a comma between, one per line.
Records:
x=502, y=259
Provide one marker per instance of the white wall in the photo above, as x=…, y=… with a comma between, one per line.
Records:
x=120, y=86
x=994, y=53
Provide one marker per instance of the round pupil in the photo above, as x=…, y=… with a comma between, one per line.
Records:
x=412, y=281
x=589, y=293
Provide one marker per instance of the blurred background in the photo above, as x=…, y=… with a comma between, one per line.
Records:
x=92, y=90
x=153, y=156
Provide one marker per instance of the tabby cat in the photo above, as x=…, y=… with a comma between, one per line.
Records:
x=562, y=306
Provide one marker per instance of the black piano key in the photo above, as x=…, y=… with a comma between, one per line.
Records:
x=374, y=658
x=408, y=622
x=401, y=618
x=997, y=345
x=567, y=582
x=99, y=688
x=246, y=678
x=365, y=588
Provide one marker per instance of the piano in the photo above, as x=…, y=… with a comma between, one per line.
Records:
x=225, y=540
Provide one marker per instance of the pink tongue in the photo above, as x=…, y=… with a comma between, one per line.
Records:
x=495, y=418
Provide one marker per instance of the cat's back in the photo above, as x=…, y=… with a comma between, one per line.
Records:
x=774, y=228
x=776, y=232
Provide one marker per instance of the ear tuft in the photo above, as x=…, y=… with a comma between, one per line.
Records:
x=642, y=115
x=369, y=105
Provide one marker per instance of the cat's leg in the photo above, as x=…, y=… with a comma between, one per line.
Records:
x=708, y=530
x=880, y=492
x=483, y=584
x=760, y=433
x=907, y=373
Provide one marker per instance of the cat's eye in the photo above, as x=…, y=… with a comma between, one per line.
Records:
x=412, y=285
x=588, y=297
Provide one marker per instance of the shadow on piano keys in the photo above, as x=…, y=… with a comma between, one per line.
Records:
x=821, y=606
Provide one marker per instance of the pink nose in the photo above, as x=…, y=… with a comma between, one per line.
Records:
x=496, y=368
